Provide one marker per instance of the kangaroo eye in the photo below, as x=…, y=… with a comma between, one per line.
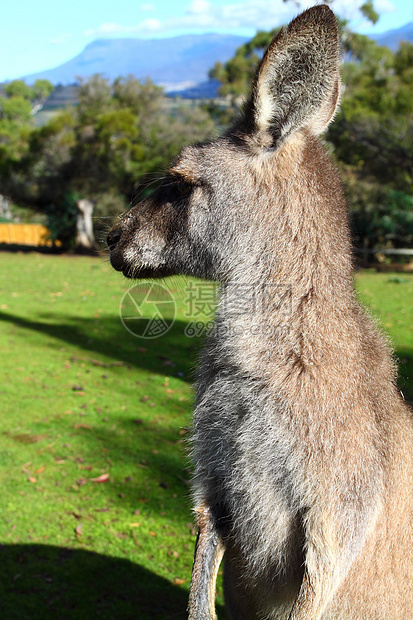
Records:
x=184, y=188
x=178, y=188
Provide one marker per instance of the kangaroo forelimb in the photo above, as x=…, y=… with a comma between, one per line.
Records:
x=208, y=555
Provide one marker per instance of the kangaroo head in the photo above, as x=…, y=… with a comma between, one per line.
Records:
x=220, y=202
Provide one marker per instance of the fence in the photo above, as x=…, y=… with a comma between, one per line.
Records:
x=368, y=257
x=366, y=252
x=25, y=234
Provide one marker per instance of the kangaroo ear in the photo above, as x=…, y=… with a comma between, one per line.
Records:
x=298, y=80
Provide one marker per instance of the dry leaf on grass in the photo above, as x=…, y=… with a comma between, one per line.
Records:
x=178, y=582
x=102, y=478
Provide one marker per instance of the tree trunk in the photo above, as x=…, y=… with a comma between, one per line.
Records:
x=85, y=238
x=4, y=208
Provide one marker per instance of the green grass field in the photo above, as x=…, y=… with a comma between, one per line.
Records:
x=95, y=515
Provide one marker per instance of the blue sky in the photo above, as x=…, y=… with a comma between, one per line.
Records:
x=42, y=34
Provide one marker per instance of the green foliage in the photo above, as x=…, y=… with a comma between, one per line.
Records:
x=35, y=94
x=106, y=146
x=380, y=216
x=16, y=108
x=14, y=145
x=61, y=220
x=109, y=205
x=372, y=135
x=235, y=75
x=368, y=11
x=19, y=88
x=397, y=217
x=403, y=62
x=19, y=99
x=42, y=89
x=373, y=140
x=169, y=134
x=144, y=99
x=94, y=97
x=122, y=133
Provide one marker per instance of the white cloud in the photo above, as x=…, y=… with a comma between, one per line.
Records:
x=103, y=29
x=261, y=14
x=60, y=40
x=200, y=14
x=144, y=27
x=350, y=8
x=247, y=15
x=384, y=6
x=197, y=7
x=251, y=14
x=147, y=7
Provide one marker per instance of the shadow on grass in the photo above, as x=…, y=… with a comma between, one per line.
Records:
x=148, y=441
x=40, y=582
x=26, y=249
x=106, y=336
x=163, y=483
x=17, y=248
x=167, y=473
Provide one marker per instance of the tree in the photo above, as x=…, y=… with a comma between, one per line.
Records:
x=235, y=75
x=36, y=94
x=368, y=11
x=16, y=108
x=42, y=89
x=373, y=139
x=372, y=136
x=144, y=99
x=19, y=88
x=15, y=128
x=96, y=157
x=94, y=97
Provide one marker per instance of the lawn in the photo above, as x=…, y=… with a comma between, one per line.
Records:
x=95, y=515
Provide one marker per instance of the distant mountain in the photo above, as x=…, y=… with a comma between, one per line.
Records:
x=179, y=64
x=176, y=63
x=204, y=90
x=392, y=38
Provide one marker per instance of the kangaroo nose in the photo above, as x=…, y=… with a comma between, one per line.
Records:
x=113, y=238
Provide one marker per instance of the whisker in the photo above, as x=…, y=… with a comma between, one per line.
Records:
x=145, y=183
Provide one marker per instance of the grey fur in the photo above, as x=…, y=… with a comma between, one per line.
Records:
x=302, y=444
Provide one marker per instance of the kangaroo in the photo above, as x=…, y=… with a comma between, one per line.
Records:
x=302, y=444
